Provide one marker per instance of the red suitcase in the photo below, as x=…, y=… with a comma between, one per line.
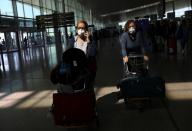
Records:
x=77, y=109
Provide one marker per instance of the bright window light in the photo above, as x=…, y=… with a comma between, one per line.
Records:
x=179, y=91
x=179, y=12
x=2, y=94
x=27, y=99
x=122, y=24
x=42, y=99
x=12, y=99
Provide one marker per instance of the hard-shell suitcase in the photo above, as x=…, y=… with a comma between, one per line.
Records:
x=74, y=109
x=142, y=86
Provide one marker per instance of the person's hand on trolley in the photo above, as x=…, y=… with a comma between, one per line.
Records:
x=125, y=59
x=146, y=58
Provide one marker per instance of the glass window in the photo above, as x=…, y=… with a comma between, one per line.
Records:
x=79, y=13
x=27, y=1
x=36, y=11
x=69, y=2
x=50, y=30
x=60, y=6
x=52, y=5
x=49, y=11
x=44, y=11
x=28, y=11
x=66, y=9
x=66, y=2
x=78, y=18
x=49, y=4
x=35, y=2
x=6, y=7
x=72, y=3
x=44, y=3
x=20, y=9
x=71, y=9
x=21, y=24
x=78, y=6
x=29, y=23
x=83, y=8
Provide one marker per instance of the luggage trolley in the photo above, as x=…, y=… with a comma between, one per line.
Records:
x=137, y=86
x=74, y=104
x=75, y=109
x=136, y=65
x=135, y=68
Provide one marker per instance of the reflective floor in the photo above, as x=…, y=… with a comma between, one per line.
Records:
x=26, y=92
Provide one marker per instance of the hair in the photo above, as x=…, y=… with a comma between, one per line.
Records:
x=84, y=22
x=127, y=24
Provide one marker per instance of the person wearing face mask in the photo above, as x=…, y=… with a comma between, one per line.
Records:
x=82, y=39
x=84, y=42
x=132, y=41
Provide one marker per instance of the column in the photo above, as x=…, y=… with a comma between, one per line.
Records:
x=90, y=17
x=173, y=5
x=65, y=28
x=41, y=7
x=191, y=4
x=17, y=22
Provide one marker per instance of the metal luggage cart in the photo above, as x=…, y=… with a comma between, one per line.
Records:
x=75, y=108
x=135, y=67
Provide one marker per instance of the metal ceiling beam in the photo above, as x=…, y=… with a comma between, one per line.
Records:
x=133, y=9
x=130, y=10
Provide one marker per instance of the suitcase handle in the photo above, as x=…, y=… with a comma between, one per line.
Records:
x=60, y=89
x=84, y=85
x=80, y=90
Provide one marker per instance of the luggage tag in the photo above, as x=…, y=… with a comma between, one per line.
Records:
x=75, y=63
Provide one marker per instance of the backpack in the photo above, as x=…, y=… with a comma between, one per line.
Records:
x=72, y=66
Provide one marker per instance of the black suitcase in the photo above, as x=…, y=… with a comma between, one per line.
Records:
x=134, y=86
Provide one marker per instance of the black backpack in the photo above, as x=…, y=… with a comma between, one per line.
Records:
x=71, y=68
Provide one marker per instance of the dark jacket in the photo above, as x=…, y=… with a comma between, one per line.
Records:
x=91, y=48
x=91, y=55
x=129, y=46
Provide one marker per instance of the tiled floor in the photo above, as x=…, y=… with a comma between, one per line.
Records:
x=26, y=92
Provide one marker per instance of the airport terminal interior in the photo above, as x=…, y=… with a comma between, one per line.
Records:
x=35, y=33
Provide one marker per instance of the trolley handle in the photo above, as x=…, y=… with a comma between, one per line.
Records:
x=136, y=57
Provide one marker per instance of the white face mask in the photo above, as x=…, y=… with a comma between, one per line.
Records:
x=80, y=31
x=131, y=30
